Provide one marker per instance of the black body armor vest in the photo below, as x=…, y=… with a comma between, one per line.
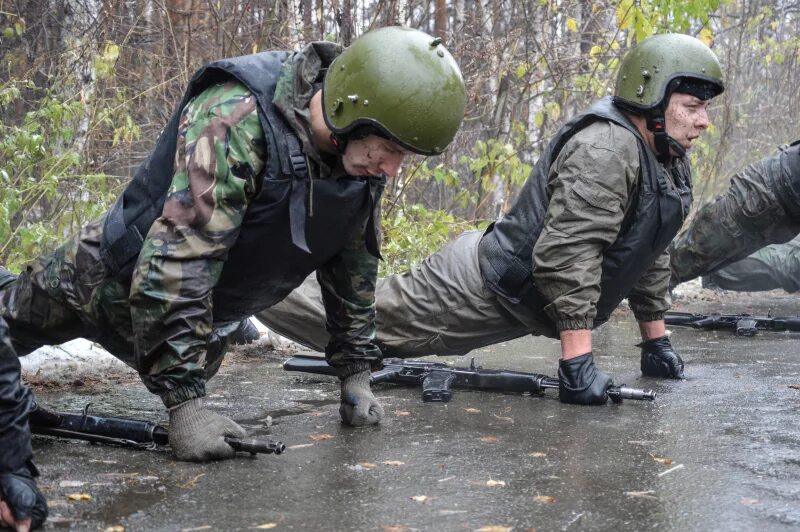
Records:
x=280, y=242
x=658, y=211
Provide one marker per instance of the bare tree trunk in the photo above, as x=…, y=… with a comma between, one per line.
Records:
x=441, y=19
x=308, y=25
x=345, y=20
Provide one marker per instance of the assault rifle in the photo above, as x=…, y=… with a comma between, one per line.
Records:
x=132, y=433
x=436, y=378
x=742, y=324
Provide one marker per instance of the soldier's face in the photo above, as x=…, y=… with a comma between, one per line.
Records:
x=686, y=117
x=372, y=156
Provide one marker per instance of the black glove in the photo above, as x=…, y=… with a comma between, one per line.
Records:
x=581, y=383
x=660, y=360
x=18, y=490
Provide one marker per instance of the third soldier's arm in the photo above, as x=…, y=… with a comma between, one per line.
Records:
x=219, y=154
x=589, y=184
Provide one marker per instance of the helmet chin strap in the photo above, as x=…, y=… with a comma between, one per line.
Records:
x=657, y=124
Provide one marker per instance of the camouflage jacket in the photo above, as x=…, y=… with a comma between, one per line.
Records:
x=219, y=158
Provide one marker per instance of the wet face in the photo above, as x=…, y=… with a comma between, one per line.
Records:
x=372, y=156
x=686, y=117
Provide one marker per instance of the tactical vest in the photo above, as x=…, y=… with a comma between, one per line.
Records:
x=655, y=217
x=282, y=238
x=787, y=169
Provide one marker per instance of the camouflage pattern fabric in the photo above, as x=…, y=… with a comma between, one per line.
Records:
x=775, y=266
x=741, y=220
x=162, y=323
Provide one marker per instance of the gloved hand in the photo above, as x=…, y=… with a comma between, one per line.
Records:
x=660, y=360
x=581, y=383
x=197, y=434
x=359, y=407
x=22, y=505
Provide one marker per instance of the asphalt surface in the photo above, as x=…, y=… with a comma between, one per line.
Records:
x=719, y=451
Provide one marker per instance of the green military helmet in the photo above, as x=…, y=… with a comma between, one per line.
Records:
x=401, y=81
x=658, y=66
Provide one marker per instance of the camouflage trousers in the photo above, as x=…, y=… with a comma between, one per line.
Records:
x=749, y=215
x=775, y=266
x=70, y=294
x=439, y=307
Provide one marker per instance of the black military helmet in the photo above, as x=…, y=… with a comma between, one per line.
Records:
x=399, y=82
x=659, y=66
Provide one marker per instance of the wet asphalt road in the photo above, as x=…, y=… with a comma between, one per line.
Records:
x=719, y=451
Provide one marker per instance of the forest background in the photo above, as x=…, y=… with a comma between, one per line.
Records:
x=86, y=86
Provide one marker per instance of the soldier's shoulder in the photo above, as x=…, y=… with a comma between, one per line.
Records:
x=606, y=136
x=223, y=98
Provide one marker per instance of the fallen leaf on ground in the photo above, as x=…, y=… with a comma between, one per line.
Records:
x=537, y=454
x=748, y=501
x=300, y=445
x=666, y=461
x=504, y=418
x=472, y=410
x=395, y=528
x=494, y=528
x=489, y=439
x=115, y=528
x=203, y=527
x=267, y=526
x=314, y=414
x=494, y=483
x=649, y=494
x=393, y=462
x=79, y=497
x=547, y=499
x=193, y=482
x=420, y=498
x=368, y=465
x=321, y=437
x=794, y=386
x=402, y=413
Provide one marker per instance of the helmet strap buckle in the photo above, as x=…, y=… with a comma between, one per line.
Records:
x=657, y=124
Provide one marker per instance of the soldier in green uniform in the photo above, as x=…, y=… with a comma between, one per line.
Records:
x=271, y=168
x=590, y=227
x=760, y=207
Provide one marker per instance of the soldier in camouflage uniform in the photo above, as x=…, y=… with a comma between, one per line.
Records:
x=760, y=207
x=775, y=266
x=590, y=227
x=271, y=168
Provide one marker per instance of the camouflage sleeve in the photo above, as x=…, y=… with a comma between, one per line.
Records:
x=219, y=154
x=746, y=217
x=650, y=299
x=348, y=292
x=590, y=186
